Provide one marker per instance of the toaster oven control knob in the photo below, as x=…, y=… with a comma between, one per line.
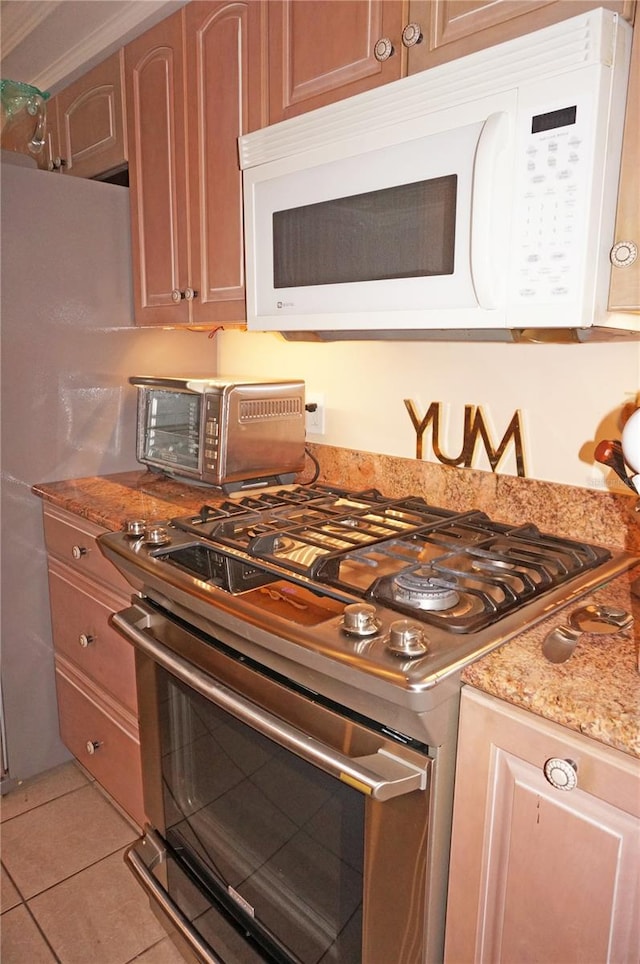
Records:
x=383, y=49
x=561, y=774
x=623, y=254
x=135, y=527
x=359, y=619
x=156, y=536
x=411, y=35
x=407, y=639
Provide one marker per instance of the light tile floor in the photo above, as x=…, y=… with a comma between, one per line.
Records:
x=66, y=894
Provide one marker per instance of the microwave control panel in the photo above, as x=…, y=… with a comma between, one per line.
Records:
x=211, y=433
x=551, y=205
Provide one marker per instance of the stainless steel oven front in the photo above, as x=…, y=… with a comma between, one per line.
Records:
x=282, y=826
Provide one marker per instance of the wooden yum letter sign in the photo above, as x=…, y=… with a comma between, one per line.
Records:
x=474, y=428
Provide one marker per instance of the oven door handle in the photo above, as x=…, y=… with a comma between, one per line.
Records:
x=381, y=775
x=144, y=874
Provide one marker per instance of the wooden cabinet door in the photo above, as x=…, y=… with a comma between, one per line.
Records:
x=91, y=120
x=539, y=873
x=225, y=84
x=454, y=28
x=624, y=293
x=154, y=65
x=323, y=51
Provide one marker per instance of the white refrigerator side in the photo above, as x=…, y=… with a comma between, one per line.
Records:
x=68, y=347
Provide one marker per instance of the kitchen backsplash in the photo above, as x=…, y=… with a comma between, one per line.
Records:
x=568, y=397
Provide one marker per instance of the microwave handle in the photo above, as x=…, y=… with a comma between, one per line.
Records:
x=380, y=775
x=492, y=140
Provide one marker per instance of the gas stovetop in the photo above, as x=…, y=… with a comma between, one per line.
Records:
x=399, y=590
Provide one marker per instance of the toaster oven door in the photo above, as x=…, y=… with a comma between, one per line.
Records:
x=169, y=430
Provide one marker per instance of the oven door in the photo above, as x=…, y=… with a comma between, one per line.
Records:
x=280, y=828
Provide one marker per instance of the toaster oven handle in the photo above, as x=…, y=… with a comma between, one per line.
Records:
x=381, y=775
x=492, y=140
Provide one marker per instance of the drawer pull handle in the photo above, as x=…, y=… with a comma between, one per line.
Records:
x=85, y=639
x=78, y=552
x=92, y=746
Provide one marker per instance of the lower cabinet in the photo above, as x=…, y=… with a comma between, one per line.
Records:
x=95, y=668
x=545, y=859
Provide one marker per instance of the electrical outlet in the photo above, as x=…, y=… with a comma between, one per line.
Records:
x=314, y=422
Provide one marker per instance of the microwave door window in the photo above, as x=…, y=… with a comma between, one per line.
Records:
x=406, y=231
x=173, y=428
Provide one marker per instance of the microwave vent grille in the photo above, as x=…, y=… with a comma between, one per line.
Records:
x=250, y=410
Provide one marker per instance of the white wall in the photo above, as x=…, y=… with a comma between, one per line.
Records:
x=570, y=396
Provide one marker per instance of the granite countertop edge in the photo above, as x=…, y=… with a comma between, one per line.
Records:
x=596, y=692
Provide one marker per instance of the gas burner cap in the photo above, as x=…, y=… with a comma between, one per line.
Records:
x=423, y=592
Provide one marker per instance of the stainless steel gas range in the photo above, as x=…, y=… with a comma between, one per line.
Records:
x=299, y=654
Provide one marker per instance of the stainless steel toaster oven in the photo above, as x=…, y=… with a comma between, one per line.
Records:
x=226, y=432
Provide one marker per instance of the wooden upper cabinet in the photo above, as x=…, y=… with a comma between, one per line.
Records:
x=454, y=28
x=86, y=132
x=624, y=294
x=325, y=51
x=90, y=116
x=154, y=65
x=225, y=90
x=194, y=84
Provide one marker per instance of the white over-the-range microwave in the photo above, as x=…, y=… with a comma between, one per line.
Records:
x=479, y=195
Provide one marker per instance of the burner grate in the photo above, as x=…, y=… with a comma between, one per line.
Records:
x=358, y=543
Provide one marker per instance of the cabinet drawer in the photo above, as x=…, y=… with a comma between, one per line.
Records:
x=73, y=541
x=81, y=632
x=85, y=720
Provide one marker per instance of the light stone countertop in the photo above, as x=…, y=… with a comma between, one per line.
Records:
x=596, y=691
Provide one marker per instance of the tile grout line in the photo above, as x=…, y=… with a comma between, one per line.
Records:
x=44, y=803
x=76, y=873
x=43, y=935
x=24, y=903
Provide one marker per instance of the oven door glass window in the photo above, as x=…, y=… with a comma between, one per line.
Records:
x=277, y=843
x=172, y=428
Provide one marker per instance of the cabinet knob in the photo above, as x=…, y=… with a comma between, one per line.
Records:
x=78, y=551
x=92, y=746
x=561, y=774
x=177, y=295
x=190, y=294
x=85, y=639
x=411, y=35
x=383, y=49
x=623, y=254
x=56, y=163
